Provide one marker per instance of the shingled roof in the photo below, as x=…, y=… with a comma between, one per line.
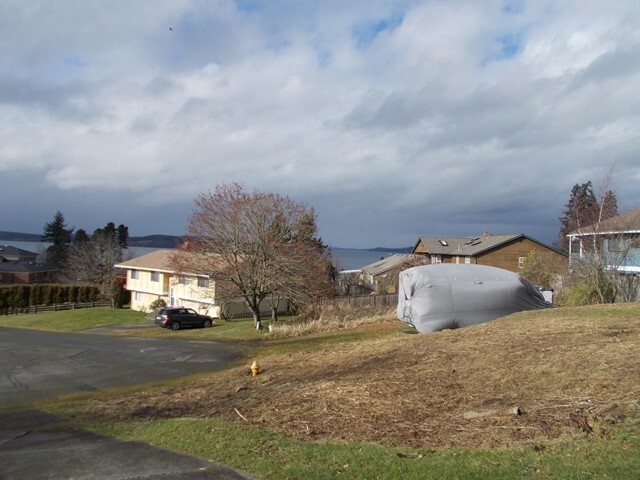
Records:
x=389, y=263
x=13, y=266
x=10, y=252
x=159, y=260
x=628, y=222
x=470, y=246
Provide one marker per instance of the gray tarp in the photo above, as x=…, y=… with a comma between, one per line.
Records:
x=435, y=297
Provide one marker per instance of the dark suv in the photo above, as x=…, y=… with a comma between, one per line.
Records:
x=176, y=318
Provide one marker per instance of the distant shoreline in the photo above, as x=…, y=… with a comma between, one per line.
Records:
x=150, y=241
x=170, y=241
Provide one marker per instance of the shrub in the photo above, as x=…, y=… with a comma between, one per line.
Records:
x=159, y=303
x=119, y=295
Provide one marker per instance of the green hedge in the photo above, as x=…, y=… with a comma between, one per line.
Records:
x=21, y=296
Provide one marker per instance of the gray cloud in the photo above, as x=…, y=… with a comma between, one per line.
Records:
x=393, y=119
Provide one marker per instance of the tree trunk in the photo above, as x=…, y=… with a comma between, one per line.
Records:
x=256, y=320
x=254, y=306
x=274, y=315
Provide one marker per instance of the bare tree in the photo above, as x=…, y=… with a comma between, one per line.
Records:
x=254, y=245
x=92, y=261
x=601, y=254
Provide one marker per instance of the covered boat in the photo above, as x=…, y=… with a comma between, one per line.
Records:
x=436, y=297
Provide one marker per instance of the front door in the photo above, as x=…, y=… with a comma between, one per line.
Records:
x=172, y=300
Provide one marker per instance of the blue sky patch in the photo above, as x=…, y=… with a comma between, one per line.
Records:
x=506, y=47
x=513, y=7
x=365, y=33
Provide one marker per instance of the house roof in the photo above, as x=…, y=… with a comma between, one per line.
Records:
x=471, y=246
x=159, y=260
x=163, y=261
x=14, y=266
x=388, y=263
x=9, y=250
x=628, y=222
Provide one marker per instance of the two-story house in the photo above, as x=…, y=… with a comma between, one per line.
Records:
x=503, y=251
x=154, y=276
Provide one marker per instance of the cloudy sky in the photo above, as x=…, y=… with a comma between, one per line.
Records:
x=393, y=119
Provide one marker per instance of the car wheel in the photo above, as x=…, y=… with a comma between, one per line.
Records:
x=175, y=325
x=206, y=324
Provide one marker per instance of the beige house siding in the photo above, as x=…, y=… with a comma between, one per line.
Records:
x=145, y=291
x=185, y=290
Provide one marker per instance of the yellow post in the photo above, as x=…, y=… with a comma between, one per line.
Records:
x=255, y=368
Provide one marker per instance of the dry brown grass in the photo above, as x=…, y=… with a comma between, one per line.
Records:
x=332, y=318
x=570, y=371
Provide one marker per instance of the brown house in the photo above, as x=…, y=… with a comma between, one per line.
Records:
x=27, y=272
x=502, y=251
x=18, y=266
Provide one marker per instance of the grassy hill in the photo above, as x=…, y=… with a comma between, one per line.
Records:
x=553, y=392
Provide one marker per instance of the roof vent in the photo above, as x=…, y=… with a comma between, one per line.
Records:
x=444, y=243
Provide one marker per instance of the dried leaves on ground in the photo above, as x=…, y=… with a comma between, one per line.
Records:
x=530, y=378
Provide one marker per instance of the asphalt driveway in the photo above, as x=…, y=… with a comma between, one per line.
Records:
x=43, y=365
x=39, y=365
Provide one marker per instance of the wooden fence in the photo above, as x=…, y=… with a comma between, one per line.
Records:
x=53, y=308
x=366, y=300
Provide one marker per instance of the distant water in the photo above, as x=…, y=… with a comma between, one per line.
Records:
x=343, y=258
x=353, y=259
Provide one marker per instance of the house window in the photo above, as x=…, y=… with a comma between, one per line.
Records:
x=139, y=297
x=182, y=280
x=467, y=260
x=203, y=282
x=436, y=259
x=457, y=259
x=135, y=274
x=155, y=277
x=521, y=261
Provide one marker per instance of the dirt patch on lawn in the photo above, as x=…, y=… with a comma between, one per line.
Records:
x=530, y=378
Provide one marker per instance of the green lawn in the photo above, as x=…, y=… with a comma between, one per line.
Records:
x=272, y=456
x=237, y=330
x=73, y=320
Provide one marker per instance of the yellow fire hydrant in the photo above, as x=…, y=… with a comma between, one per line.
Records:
x=255, y=368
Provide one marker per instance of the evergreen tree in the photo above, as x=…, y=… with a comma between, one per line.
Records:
x=123, y=235
x=59, y=235
x=80, y=236
x=609, y=205
x=583, y=209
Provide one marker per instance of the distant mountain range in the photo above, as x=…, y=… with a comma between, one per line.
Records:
x=151, y=241
x=168, y=241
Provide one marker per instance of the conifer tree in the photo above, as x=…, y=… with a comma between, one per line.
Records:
x=583, y=209
x=57, y=233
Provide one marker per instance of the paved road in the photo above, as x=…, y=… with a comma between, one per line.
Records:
x=41, y=365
